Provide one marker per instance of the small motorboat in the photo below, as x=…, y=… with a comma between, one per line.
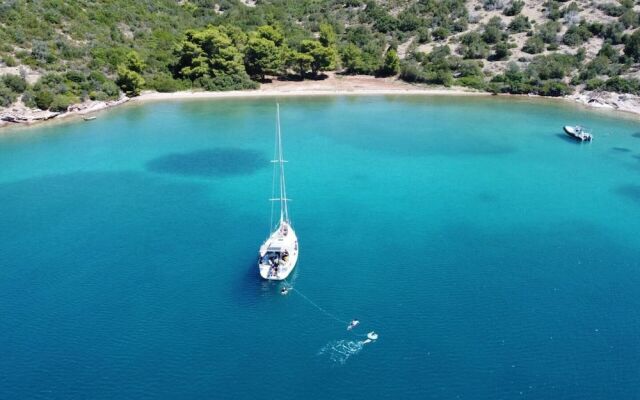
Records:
x=91, y=118
x=578, y=132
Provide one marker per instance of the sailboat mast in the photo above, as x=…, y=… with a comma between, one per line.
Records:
x=284, y=212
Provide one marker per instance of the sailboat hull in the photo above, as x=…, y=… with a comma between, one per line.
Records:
x=279, y=254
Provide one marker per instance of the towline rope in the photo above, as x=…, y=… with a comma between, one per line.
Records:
x=289, y=286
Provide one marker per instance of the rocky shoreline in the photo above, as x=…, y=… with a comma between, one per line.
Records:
x=19, y=114
x=608, y=100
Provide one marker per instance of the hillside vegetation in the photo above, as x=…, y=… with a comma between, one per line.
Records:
x=55, y=53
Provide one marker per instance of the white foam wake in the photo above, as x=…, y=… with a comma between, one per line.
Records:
x=339, y=351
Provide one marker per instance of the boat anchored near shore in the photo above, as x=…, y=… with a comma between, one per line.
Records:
x=279, y=253
x=578, y=132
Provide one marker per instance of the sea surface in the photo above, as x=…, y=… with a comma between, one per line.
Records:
x=495, y=257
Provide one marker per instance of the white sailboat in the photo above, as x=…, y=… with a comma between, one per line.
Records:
x=279, y=253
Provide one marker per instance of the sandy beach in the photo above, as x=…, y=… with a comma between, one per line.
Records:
x=334, y=84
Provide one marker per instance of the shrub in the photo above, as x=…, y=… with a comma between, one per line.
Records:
x=75, y=76
x=548, y=31
x=594, y=84
x=7, y=96
x=98, y=95
x=475, y=82
x=501, y=51
x=440, y=33
x=61, y=102
x=491, y=5
x=612, y=10
x=553, y=10
x=576, y=35
x=629, y=19
x=533, y=45
x=632, y=47
x=9, y=61
x=614, y=32
x=424, y=36
x=16, y=83
x=28, y=98
x=411, y=71
x=554, y=89
x=608, y=51
x=473, y=47
x=493, y=31
x=621, y=85
x=554, y=66
x=110, y=89
x=514, y=8
x=164, y=83
x=225, y=82
x=43, y=99
x=519, y=24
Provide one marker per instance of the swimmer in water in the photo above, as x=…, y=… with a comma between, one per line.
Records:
x=354, y=322
x=284, y=291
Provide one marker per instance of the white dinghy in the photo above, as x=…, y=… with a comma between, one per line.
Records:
x=279, y=253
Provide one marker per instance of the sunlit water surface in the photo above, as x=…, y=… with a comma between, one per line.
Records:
x=496, y=258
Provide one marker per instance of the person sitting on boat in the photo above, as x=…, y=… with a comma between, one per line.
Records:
x=354, y=322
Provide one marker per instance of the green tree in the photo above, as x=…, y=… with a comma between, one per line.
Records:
x=301, y=62
x=327, y=35
x=262, y=57
x=271, y=33
x=391, y=64
x=324, y=58
x=129, y=81
x=212, y=60
x=351, y=56
x=135, y=62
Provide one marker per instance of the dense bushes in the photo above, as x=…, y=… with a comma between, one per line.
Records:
x=57, y=91
x=615, y=84
x=221, y=45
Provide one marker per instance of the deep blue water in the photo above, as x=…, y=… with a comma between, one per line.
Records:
x=496, y=258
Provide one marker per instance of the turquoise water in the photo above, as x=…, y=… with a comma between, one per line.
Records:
x=495, y=258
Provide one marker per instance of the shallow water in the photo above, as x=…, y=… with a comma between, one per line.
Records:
x=496, y=258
